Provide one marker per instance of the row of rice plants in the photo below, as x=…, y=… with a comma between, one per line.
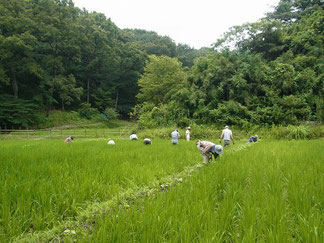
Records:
x=44, y=182
x=271, y=192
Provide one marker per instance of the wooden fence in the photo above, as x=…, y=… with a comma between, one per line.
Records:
x=63, y=133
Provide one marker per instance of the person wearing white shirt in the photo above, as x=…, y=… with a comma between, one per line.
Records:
x=188, y=134
x=227, y=136
x=133, y=137
x=175, y=137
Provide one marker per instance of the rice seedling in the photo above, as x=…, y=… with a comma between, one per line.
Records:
x=271, y=192
x=45, y=182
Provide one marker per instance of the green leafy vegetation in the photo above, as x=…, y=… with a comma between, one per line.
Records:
x=77, y=73
x=255, y=194
x=56, y=56
x=264, y=73
x=45, y=182
x=89, y=191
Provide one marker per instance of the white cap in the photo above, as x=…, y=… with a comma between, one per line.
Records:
x=219, y=149
x=226, y=126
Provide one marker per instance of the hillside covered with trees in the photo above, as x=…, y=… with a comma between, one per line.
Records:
x=54, y=55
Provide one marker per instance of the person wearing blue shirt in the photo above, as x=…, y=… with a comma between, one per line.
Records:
x=253, y=139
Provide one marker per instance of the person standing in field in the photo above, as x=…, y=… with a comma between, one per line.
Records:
x=188, y=134
x=175, y=137
x=68, y=139
x=227, y=136
x=208, y=150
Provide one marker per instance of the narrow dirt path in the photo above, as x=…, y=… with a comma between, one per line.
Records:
x=123, y=199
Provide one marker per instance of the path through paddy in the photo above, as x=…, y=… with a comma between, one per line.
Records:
x=86, y=216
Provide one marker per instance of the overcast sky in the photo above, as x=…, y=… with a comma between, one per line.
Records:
x=198, y=23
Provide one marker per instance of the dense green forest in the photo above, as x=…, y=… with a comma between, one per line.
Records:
x=54, y=55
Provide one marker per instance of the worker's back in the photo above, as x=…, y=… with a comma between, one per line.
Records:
x=227, y=134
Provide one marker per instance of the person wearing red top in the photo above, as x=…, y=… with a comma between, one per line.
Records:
x=68, y=139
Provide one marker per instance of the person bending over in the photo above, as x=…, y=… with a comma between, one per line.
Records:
x=208, y=150
x=68, y=139
x=147, y=141
x=253, y=139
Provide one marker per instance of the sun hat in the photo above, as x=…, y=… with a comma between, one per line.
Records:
x=218, y=149
x=189, y=128
x=111, y=142
x=226, y=126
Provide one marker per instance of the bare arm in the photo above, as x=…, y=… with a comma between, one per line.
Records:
x=232, y=137
x=221, y=137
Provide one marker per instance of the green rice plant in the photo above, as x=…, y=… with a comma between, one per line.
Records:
x=45, y=182
x=270, y=192
x=292, y=132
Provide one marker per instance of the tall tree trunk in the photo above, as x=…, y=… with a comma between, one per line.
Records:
x=88, y=91
x=116, y=103
x=63, y=104
x=14, y=83
x=50, y=100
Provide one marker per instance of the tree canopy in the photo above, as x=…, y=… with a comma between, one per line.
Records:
x=54, y=55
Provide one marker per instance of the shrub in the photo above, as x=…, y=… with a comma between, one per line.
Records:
x=231, y=113
x=87, y=111
x=111, y=113
x=294, y=132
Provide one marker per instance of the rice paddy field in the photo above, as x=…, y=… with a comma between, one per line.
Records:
x=88, y=191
